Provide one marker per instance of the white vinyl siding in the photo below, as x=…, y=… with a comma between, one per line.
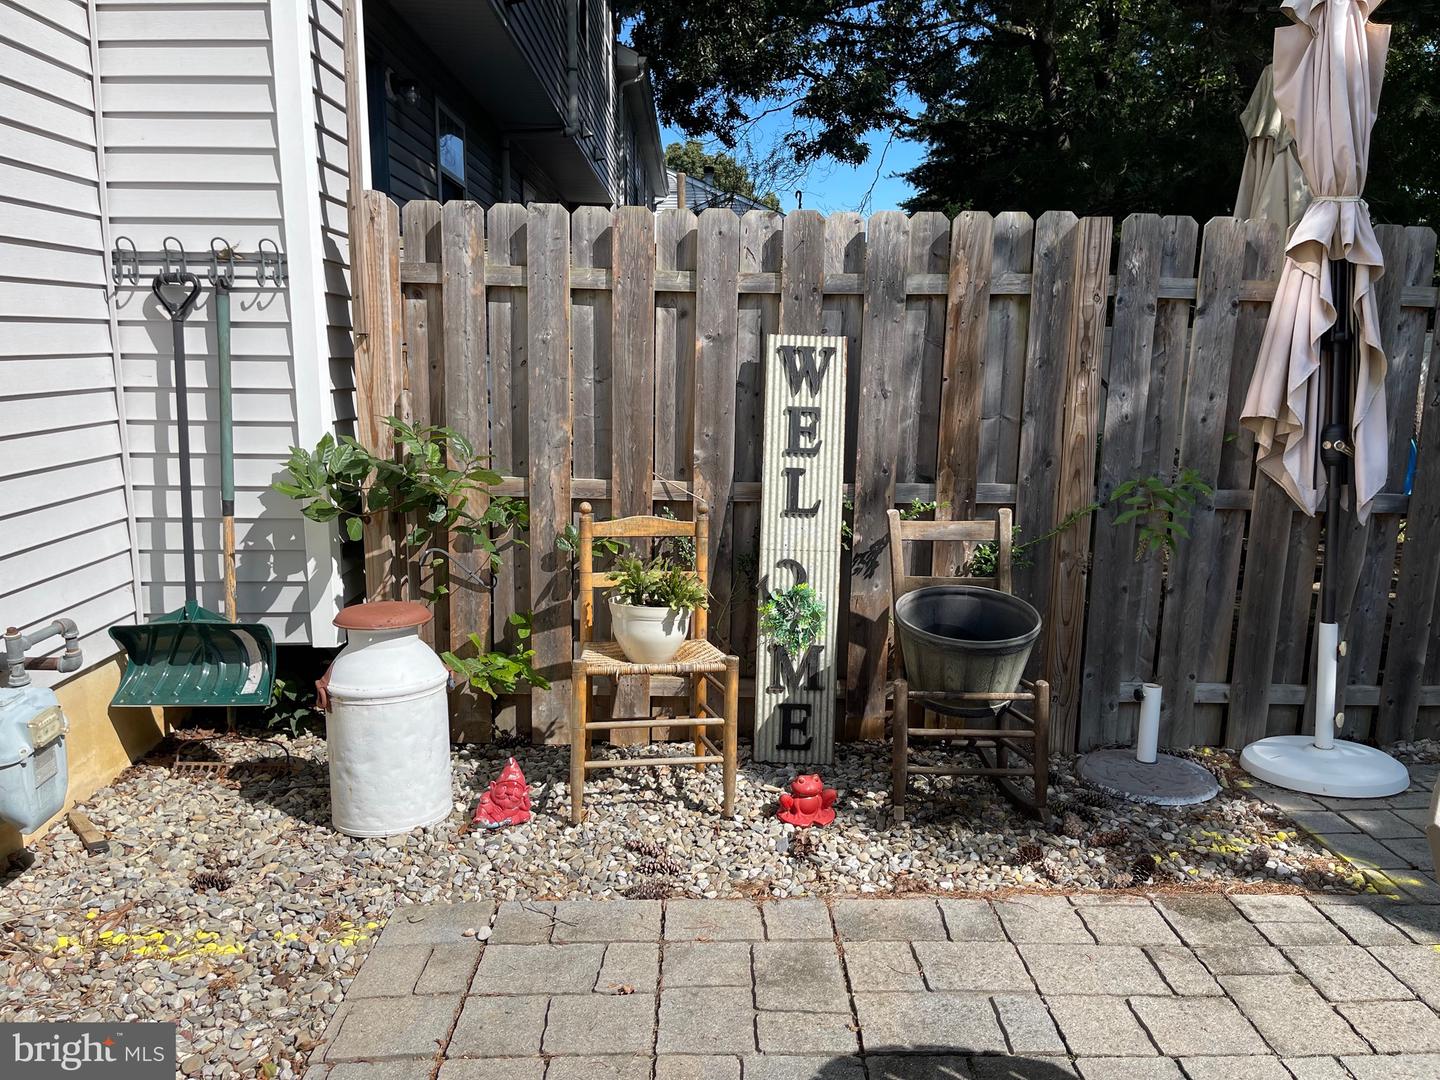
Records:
x=188, y=99
x=332, y=153
x=65, y=529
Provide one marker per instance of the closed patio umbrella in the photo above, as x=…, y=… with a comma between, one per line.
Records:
x=1272, y=184
x=1316, y=402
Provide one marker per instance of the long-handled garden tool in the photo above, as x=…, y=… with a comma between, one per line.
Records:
x=194, y=656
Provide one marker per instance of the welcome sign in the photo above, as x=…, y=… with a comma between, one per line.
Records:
x=801, y=506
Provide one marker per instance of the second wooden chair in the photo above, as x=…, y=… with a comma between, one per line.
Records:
x=698, y=666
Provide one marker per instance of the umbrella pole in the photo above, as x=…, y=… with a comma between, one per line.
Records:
x=1334, y=453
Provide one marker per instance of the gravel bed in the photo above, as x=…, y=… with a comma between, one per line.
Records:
x=227, y=904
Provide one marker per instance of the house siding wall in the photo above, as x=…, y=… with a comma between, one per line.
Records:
x=188, y=102
x=65, y=527
x=411, y=141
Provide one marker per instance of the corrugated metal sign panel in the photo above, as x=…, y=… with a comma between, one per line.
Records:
x=800, y=516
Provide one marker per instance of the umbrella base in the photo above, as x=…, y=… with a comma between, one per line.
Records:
x=1348, y=770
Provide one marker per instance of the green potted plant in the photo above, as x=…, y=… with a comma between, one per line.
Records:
x=793, y=618
x=651, y=606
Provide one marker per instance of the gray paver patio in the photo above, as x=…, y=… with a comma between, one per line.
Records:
x=1101, y=986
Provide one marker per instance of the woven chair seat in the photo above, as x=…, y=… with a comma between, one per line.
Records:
x=694, y=657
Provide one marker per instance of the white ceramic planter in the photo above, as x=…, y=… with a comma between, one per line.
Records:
x=649, y=635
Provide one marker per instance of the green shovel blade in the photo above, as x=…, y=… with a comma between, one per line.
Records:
x=195, y=657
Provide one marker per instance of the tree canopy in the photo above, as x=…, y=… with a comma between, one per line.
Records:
x=730, y=176
x=1098, y=106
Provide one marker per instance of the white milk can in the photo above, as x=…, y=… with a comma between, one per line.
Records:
x=387, y=725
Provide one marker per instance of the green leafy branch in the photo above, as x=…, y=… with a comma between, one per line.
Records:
x=433, y=482
x=793, y=618
x=494, y=673
x=1160, y=510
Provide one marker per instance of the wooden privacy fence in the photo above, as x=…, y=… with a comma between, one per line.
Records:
x=996, y=361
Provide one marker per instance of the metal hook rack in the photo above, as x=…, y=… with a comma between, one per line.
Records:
x=220, y=263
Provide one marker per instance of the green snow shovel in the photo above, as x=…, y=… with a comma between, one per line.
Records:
x=193, y=656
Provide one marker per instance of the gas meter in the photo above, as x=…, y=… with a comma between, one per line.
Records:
x=33, y=768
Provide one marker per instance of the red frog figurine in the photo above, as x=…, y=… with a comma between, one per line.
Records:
x=507, y=802
x=808, y=802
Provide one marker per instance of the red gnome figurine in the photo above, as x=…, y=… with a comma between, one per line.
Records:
x=507, y=802
x=808, y=802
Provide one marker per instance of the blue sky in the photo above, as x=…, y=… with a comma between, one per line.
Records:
x=829, y=187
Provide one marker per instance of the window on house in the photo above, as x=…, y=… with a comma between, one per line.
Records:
x=451, y=140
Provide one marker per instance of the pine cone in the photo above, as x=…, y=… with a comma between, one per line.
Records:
x=649, y=890
x=802, y=846
x=1107, y=838
x=1030, y=852
x=658, y=868
x=1091, y=797
x=210, y=879
x=1260, y=854
x=649, y=848
x=1053, y=872
x=1073, y=826
x=1144, y=868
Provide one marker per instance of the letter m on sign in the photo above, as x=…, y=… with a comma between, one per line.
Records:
x=801, y=506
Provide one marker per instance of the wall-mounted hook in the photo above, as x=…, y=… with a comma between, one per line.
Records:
x=124, y=262
x=271, y=262
x=171, y=270
x=222, y=262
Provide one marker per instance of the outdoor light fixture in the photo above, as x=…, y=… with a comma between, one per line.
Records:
x=406, y=89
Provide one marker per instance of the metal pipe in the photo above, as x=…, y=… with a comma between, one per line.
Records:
x=1147, y=737
x=572, y=68
x=18, y=644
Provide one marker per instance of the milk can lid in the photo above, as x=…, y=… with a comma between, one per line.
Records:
x=383, y=615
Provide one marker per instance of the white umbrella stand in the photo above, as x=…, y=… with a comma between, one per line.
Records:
x=1321, y=368
x=1320, y=764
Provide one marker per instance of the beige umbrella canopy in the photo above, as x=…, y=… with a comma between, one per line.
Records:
x=1328, y=70
x=1271, y=183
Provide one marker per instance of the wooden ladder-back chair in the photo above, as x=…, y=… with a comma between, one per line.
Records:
x=698, y=662
x=1029, y=743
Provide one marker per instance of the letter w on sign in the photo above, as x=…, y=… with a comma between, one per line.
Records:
x=801, y=508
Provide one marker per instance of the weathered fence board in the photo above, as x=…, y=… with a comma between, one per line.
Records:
x=1075, y=481
x=548, y=392
x=1264, y=256
x=378, y=363
x=1122, y=456
x=1410, y=260
x=506, y=310
x=761, y=246
x=717, y=315
x=1189, y=599
x=876, y=449
x=982, y=374
x=466, y=410
x=957, y=468
x=1042, y=411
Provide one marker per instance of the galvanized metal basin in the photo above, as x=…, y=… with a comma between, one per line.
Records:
x=965, y=639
